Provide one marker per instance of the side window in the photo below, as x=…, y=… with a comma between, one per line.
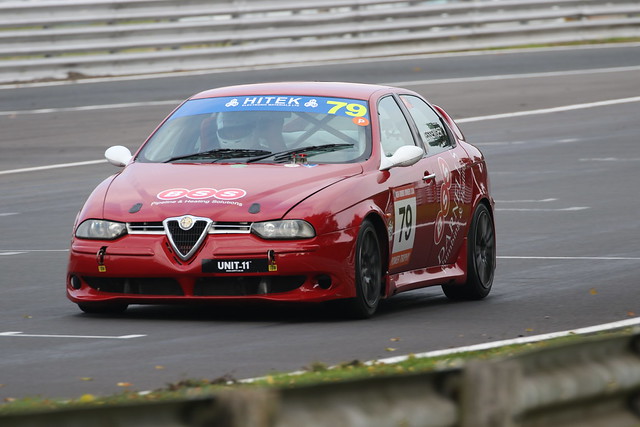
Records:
x=394, y=129
x=433, y=134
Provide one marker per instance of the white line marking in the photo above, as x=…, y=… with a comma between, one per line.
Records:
x=574, y=258
x=5, y=252
x=611, y=159
x=516, y=76
x=571, y=209
x=8, y=213
x=58, y=166
x=494, y=143
x=89, y=108
x=20, y=334
x=523, y=340
x=526, y=201
x=489, y=345
x=551, y=110
x=497, y=143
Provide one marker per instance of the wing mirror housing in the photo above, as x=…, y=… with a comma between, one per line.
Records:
x=404, y=156
x=118, y=155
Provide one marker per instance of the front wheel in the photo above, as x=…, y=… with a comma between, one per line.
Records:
x=481, y=259
x=368, y=274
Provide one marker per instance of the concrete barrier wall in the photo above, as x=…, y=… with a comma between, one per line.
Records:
x=56, y=39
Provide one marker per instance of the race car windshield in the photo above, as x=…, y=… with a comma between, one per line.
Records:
x=265, y=129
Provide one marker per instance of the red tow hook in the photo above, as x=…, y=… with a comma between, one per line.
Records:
x=100, y=258
x=271, y=256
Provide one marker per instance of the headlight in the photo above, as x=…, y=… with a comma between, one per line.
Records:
x=285, y=229
x=99, y=229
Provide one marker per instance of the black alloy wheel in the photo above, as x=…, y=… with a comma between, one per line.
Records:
x=368, y=273
x=481, y=259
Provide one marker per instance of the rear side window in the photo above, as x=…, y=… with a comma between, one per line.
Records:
x=434, y=135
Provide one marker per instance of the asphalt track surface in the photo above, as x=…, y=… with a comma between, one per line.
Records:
x=566, y=183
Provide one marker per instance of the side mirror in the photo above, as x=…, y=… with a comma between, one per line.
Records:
x=404, y=156
x=118, y=155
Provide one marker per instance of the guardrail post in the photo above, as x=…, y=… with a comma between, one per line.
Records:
x=489, y=393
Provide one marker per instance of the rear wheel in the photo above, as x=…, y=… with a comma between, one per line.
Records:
x=102, y=308
x=368, y=274
x=481, y=259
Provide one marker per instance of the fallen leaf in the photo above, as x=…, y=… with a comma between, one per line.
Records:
x=529, y=329
x=159, y=367
x=85, y=398
x=124, y=384
x=631, y=314
x=390, y=349
x=86, y=379
x=395, y=339
x=592, y=291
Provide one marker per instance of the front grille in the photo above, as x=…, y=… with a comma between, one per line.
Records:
x=246, y=285
x=230, y=228
x=154, y=227
x=186, y=240
x=135, y=285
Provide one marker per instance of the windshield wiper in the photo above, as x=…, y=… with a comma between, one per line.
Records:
x=222, y=153
x=314, y=149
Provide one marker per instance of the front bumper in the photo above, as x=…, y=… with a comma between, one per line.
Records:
x=143, y=269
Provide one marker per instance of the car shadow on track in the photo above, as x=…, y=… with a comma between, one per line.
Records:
x=406, y=304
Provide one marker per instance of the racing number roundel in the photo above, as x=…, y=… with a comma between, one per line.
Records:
x=404, y=212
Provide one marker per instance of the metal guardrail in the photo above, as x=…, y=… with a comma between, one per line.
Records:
x=56, y=39
x=591, y=383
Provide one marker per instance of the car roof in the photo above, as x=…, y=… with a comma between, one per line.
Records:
x=330, y=89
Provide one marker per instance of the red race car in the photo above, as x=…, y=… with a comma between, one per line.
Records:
x=289, y=192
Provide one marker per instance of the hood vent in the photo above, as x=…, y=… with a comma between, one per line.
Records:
x=186, y=234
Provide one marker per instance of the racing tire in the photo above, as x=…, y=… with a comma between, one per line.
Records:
x=368, y=274
x=481, y=259
x=100, y=308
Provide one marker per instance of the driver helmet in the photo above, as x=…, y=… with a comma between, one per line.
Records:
x=236, y=129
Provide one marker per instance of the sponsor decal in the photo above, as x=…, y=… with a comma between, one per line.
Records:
x=313, y=103
x=404, y=220
x=200, y=195
x=444, y=200
x=450, y=218
x=353, y=108
x=236, y=265
x=361, y=121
